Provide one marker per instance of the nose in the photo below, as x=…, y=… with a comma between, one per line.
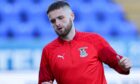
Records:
x=57, y=23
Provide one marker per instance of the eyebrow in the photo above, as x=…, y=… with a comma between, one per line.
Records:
x=52, y=20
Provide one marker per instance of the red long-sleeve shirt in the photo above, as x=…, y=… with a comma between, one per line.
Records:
x=78, y=61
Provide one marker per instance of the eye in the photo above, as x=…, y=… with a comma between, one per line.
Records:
x=53, y=21
x=60, y=17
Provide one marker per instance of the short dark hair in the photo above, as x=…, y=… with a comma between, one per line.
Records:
x=57, y=5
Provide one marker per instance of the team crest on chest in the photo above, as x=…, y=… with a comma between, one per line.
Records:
x=83, y=52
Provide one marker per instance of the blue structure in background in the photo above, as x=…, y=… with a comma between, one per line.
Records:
x=24, y=24
x=26, y=18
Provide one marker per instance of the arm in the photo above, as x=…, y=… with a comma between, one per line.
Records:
x=111, y=58
x=45, y=74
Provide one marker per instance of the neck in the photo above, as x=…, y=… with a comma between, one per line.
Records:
x=70, y=36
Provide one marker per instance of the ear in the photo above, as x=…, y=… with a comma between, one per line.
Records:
x=72, y=16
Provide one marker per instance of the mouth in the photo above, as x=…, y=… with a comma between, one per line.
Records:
x=59, y=28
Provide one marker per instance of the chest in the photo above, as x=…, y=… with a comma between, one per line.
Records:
x=72, y=55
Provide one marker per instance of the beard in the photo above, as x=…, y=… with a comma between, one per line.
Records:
x=66, y=30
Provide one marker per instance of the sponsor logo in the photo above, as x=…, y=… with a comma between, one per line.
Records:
x=60, y=56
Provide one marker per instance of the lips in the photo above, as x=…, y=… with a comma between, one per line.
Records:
x=59, y=28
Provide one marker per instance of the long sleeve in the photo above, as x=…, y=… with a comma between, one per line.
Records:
x=108, y=55
x=45, y=72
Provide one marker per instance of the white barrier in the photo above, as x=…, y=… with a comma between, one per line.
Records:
x=31, y=77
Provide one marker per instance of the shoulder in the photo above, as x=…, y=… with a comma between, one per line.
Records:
x=92, y=38
x=51, y=45
x=90, y=35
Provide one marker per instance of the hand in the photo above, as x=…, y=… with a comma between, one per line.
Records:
x=125, y=64
x=50, y=82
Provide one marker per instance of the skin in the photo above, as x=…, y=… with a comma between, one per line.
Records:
x=62, y=22
x=125, y=64
x=50, y=82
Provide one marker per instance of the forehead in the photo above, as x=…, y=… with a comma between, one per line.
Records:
x=58, y=12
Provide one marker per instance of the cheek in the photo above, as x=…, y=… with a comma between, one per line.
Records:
x=54, y=27
x=66, y=22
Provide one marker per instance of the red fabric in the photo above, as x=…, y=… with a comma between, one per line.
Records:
x=78, y=61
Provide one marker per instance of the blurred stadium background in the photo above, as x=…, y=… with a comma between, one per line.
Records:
x=25, y=29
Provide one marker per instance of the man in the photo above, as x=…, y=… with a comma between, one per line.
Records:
x=76, y=57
